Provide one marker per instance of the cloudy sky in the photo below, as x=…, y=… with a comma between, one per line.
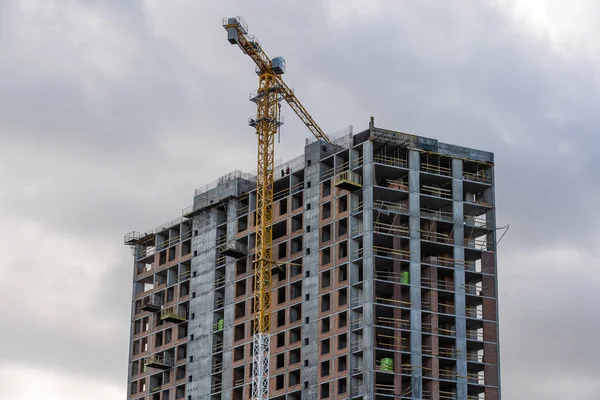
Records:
x=112, y=112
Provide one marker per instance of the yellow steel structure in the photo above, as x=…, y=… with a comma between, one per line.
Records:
x=271, y=90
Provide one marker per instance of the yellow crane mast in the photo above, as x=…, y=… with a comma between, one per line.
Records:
x=271, y=90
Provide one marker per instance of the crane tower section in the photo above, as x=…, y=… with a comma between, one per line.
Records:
x=271, y=91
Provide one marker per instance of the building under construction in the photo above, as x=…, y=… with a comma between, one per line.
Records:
x=384, y=279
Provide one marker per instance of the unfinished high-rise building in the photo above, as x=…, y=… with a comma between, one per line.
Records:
x=385, y=283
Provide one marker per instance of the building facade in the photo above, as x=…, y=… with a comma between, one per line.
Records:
x=385, y=285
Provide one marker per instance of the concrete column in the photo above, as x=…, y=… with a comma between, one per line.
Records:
x=310, y=283
x=353, y=272
x=368, y=271
x=203, y=265
x=416, y=356
x=228, y=316
x=490, y=197
x=459, y=278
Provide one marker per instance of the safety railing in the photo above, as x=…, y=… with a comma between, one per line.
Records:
x=445, y=395
x=402, y=277
x=217, y=347
x=397, y=185
x=389, y=342
x=393, y=322
x=439, y=284
x=475, y=334
x=477, y=202
x=477, y=244
x=216, y=387
x=390, y=160
x=473, y=289
x=356, y=346
x=480, y=177
x=385, y=301
x=392, y=253
x=436, y=191
x=444, y=261
x=474, y=312
x=146, y=252
x=446, y=331
x=436, y=169
x=183, y=276
x=437, y=214
x=436, y=237
x=476, y=221
x=217, y=367
x=219, y=282
x=475, y=357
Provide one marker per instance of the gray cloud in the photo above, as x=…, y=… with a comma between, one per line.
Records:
x=112, y=113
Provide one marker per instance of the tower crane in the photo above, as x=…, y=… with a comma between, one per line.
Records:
x=271, y=91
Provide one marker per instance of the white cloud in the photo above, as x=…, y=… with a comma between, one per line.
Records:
x=24, y=383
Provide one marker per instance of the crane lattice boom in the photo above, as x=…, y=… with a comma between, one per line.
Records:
x=271, y=90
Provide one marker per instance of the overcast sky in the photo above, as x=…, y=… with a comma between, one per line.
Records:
x=112, y=112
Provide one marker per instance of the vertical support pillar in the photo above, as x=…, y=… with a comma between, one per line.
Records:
x=459, y=279
x=416, y=356
x=201, y=326
x=228, y=316
x=368, y=271
x=310, y=264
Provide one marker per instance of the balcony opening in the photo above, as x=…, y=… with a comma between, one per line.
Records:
x=282, y=250
x=295, y=313
x=295, y=335
x=326, y=210
x=280, y=318
x=325, y=325
x=325, y=346
x=283, y=206
x=297, y=223
x=342, y=273
x=342, y=250
x=325, y=390
x=325, y=303
x=280, y=360
x=326, y=188
x=242, y=223
x=296, y=267
x=238, y=353
x=238, y=332
x=297, y=200
x=296, y=244
x=342, y=319
x=240, y=310
x=342, y=227
x=294, y=356
x=325, y=279
x=294, y=379
x=281, y=295
x=342, y=341
x=326, y=233
x=343, y=204
x=295, y=290
x=326, y=256
x=342, y=297
x=324, y=368
x=281, y=339
x=240, y=267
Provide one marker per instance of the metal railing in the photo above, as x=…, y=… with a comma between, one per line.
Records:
x=436, y=169
x=389, y=160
